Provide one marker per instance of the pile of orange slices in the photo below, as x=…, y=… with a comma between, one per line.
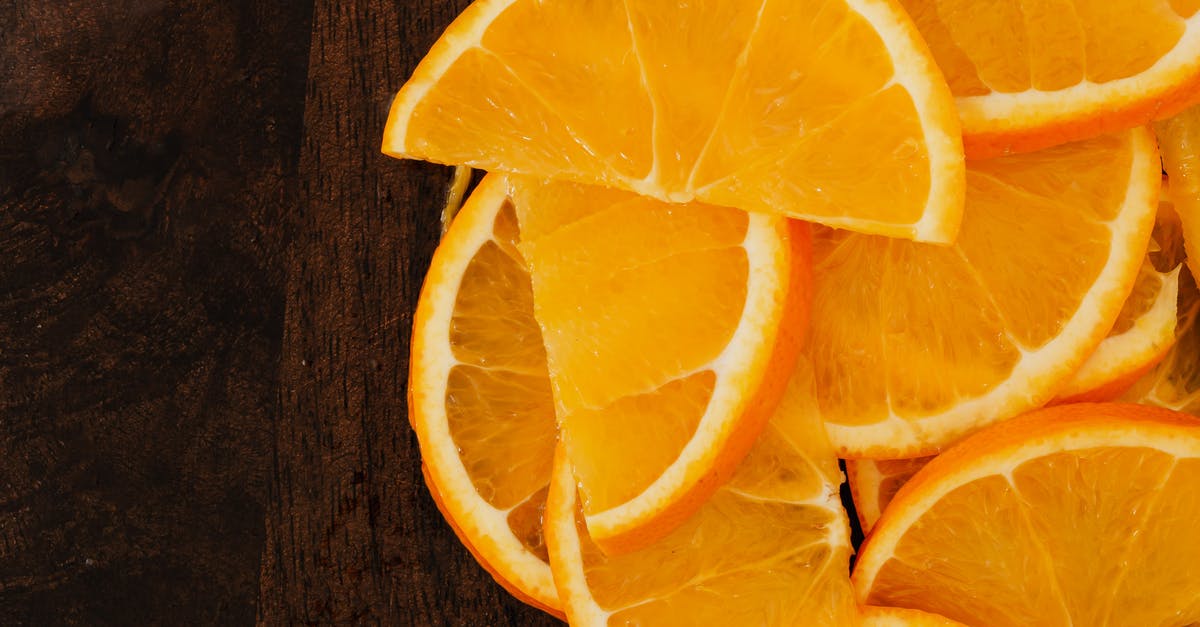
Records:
x=721, y=245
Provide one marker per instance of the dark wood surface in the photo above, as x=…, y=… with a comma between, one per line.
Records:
x=206, y=288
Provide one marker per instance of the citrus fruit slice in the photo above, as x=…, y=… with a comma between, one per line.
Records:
x=917, y=345
x=1179, y=140
x=1175, y=382
x=771, y=547
x=1063, y=70
x=900, y=617
x=1142, y=336
x=1145, y=329
x=1077, y=514
x=480, y=398
x=670, y=333
x=874, y=483
x=766, y=106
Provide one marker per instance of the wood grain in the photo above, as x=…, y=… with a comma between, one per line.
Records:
x=204, y=307
x=353, y=536
x=145, y=149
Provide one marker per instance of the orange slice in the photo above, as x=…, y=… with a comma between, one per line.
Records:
x=670, y=332
x=766, y=106
x=771, y=547
x=1179, y=139
x=874, y=483
x=915, y=345
x=1029, y=75
x=480, y=398
x=1175, y=382
x=900, y=617
x=1078, y=514
x=1142, y=336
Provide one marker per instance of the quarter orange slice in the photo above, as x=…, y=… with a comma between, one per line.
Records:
x=1029, y=75
x=766, y=106
x=1079, y=514
x=480, y=398
x=770, y=548
x=670, y=333
x=916, y=346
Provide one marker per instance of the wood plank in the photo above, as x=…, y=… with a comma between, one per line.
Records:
x=146, y=150
x=352, y=535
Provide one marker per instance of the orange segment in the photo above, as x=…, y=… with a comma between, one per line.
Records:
x=1179, y=139
x=766, y=106
x=900, y=617
x=1144, y=332
x=1064, y=70
x=480, y=397
x=1175, y=382
x=875, y=482
x=916, y=345
x=771, y=547
x=1077, y=514
x=669, y=331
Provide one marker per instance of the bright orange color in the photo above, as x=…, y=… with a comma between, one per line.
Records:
x=769, y=548
x=1175, y=382
x=874, y=483
x=1077, y=514
x=1145, y=330
x=1179, y=140
x=670, y=332
x=900, y=617
x=828, y=110
x=480, y=399
x=1029, y=75
x=915, y=346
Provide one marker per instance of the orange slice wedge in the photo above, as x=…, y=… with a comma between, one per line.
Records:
x=1175, y=382
x=1029, y=75
x=1179, y=140
x=766, y=106
x=670, y=332
x=875, y=482
x=916, y=346
x=1077, y=514
x=771, y=547
x=1140, y=339
x=480, y=398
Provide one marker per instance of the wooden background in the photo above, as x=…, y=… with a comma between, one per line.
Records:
x=207, y=277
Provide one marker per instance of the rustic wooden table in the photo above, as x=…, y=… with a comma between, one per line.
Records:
x=207, y=282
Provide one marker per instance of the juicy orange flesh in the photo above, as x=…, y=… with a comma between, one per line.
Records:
x=758, y=552
x=1041, y=560
x=1145, y=291
x=498, y=398
x=914, y=329
x=1046, y=45
x=565, y=64
x=766, y=106
x=636, y=299
x=451, y=125
x=622, y=447
x=820, y=173
x=1179, y=140
x=1175, y=382
x=525, y=520
x=896, y=473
